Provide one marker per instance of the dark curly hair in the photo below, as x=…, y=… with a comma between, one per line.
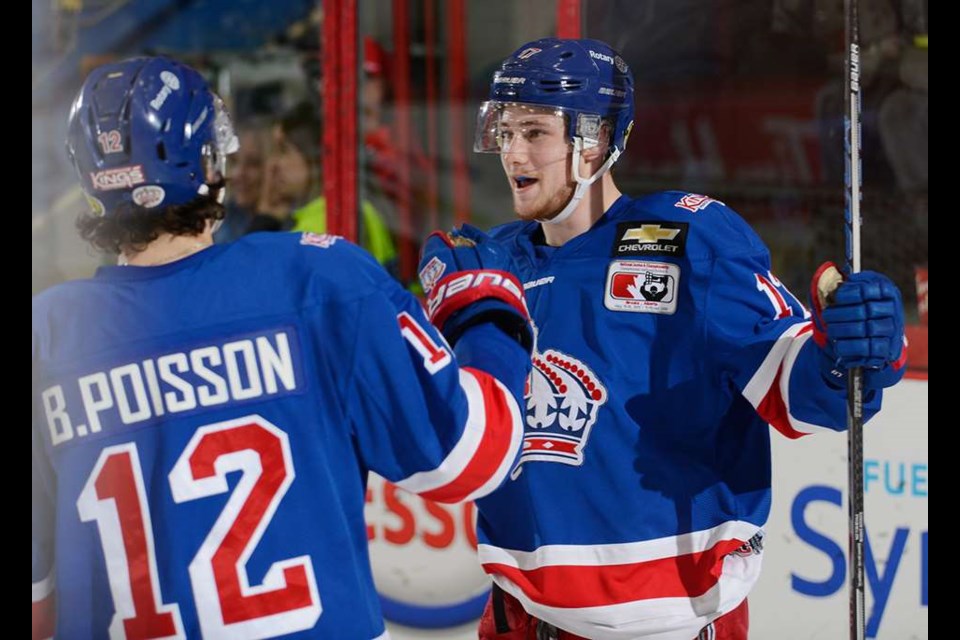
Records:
x=133, y=227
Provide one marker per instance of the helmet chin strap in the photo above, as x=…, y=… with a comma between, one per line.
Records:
x=582, y=183
x=221, y=198
x=204, y=189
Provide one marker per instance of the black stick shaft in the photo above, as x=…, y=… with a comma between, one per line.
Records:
x=852, y=180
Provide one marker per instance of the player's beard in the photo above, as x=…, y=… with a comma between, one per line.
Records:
x=550, y=206
x=542, y=201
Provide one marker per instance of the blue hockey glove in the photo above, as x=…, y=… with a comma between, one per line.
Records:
x=858, y=322
x=469, y=278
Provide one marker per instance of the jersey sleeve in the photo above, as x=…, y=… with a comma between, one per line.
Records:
x=42, y=510
x=424, y=420
x=759, y=336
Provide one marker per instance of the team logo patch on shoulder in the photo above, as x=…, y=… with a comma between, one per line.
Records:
x=695, y=202
x=642, y=286
x=322, y=240
x=659, y=238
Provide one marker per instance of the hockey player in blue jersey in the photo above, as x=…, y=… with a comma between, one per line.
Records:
x=204, y=416
x=665, y=350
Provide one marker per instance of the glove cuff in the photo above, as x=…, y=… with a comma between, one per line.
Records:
x=466, y=287
x=833, y=375
x=490, y=311
x=825, y=281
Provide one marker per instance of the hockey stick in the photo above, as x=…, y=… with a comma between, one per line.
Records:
x=852, y=179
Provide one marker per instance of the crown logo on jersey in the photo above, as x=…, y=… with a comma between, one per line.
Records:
x=563, y=399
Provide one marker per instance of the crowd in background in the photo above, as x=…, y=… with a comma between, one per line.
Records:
x=742, y=102
x=276, y=179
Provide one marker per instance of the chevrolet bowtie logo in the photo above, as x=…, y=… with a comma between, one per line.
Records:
x=650, y=233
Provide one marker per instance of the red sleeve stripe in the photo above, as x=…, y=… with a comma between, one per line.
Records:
x=775, y=405
x=767, y=391
x=796, y=426
x=44, y=609
x=487, y=448
x=763, y=378
x=502, y=437
x=505, y=419
x=773, y=409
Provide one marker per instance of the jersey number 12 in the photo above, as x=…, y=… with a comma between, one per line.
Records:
x=227, y=605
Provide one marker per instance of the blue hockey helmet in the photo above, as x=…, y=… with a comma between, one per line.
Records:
x=586, y=80
x=147, y=131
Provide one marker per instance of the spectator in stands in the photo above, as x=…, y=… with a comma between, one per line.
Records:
x=292, y=197
x=245, y=181
x=383, y=158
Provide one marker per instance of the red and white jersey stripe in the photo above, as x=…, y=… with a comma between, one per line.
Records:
x=43, y=608
x=651, y=589
x=769, y=388
x=483, y=456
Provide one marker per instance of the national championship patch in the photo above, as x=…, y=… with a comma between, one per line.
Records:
x=642, y=287
x=650, y=239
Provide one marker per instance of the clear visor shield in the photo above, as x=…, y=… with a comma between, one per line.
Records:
x=224, y=137
x=225, y=142
x=501, y=125
x=215, y=152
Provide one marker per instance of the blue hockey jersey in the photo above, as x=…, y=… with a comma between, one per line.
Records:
x=202, y=432
x=665, y=348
